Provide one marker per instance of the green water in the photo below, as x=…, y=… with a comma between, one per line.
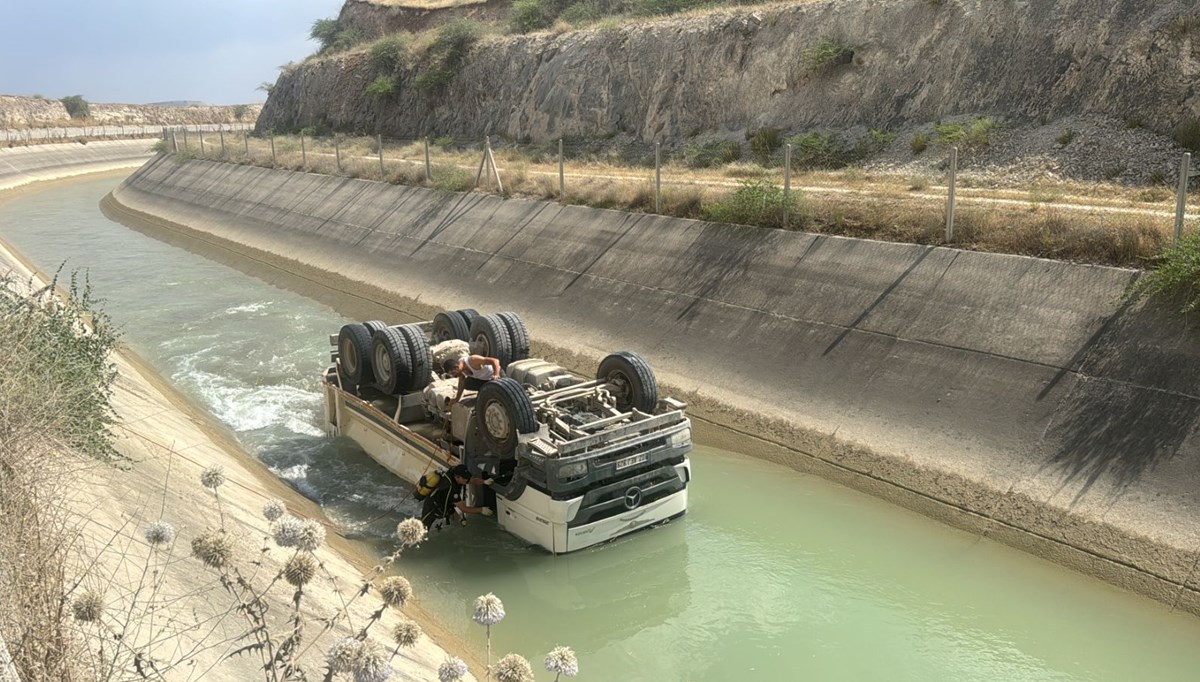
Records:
x=771, y=576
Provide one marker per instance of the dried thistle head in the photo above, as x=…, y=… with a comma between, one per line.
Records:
x=452, y=670
x=299, y=570
x=406, y=632
x=160, y=533
x=88, y=607
x=312, y=535
x=213, y=548
x=411, y=532
x=274, y=509
x=513, y=668
x=489, y=610
x=562, y=661
x=287, y=531
x=395, y=590
x=213, y=477
x=372, y=664
x=342, y=654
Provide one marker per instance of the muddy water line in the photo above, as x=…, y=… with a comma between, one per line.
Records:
x=772, y=574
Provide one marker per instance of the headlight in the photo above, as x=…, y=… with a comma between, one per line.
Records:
x=681, y=437
x=567, y=472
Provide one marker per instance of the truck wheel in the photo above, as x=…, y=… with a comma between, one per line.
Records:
x=391, y=360
x=375, y=325
x=502, y=410
x=354, y=355
x=468, y=314
x=418, y=351
x=450, y=325
x=629, y=378
x=518, y=336
x=489, y=337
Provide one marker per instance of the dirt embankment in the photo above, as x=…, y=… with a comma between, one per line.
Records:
x=36, y=112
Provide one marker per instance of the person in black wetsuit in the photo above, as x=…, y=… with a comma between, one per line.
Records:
x=447, y=497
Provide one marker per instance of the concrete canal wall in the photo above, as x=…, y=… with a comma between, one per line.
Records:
x=1010, y=396
x=23, y=165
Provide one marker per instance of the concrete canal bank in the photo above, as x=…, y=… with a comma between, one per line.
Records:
x=1014, y=397
x=24, y=165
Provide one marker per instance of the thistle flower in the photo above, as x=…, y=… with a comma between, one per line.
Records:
x=562, y=661
x=213, y=549
x=287, y=531
x=213, y=477
x=312, y=535
x=88, y=607
x=160, y=533
x=452, y=670
x=489, y=610
x=411, y=532
x=371, y=664
x=299, y=570
x=274, y=510
x=406, y=632
x=514, y=668
x=343, y=654
x=395, y=591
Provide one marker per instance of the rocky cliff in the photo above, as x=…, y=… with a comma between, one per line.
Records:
x=375, y=19
x=909, y=61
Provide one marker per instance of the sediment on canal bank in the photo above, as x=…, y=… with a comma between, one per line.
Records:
x=24, y=165
x=1015, y=397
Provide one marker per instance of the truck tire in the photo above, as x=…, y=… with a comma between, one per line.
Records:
x=468, y=314
x=503, y=410
x=518, y=336
x=422, y=362
x=631, y=381
x=390, y=360
x=354, y=356
x=489, y=337
x=450, y=325
x=375, y=325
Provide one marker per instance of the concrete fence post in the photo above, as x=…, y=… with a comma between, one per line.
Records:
x=175, y=141
x=185, y=144
x=303, y=154
x=200, y=132
x=337, y=153
x=787, y=183
x=1185, y=167
x=221, y=132
x=562, y=184
x=487, y=159
x=950, y=195
x=273, y=150
x=428, y=174
x=379, y=143
x=658, y=177
x=246, y=142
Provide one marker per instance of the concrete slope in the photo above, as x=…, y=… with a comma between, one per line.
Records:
x=1009, y=395
x=23, y=165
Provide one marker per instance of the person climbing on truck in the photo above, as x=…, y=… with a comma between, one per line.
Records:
x=473, y=371
x=446, y=496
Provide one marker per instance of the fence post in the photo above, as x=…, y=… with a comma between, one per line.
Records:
x=200, y=132
x=950, y=195
x=1185, y=167
x=562, y=185
x=185, y=146
x=379, y=141
x=337, y=152
x=787, y=183
x=428, y=175
x=487, y=158
x=175, y=141
x=303, y=155
x=221, y=132
x=273, y=164
x=246, y=142
x=658, y=177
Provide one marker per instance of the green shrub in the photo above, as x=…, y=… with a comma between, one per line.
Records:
x=975, y=134
x=874, y=141
x=814, y=150
x=77, y=106
x=382, y=87
x=452, y=179
x=920, y=143
x=763, y=143
x=346, y=39
x=756, y=202
x=1187, y=134
x=1177, y=277
x=827, y=53
x=1065, y=138
x=443, y=141
x=531, y=15
x=717, y=153
x=435, y=80
x=240, y=111
x=582, y=13
x=389, y=54
x=448, y=51
x=325, y=32
x=266, y=86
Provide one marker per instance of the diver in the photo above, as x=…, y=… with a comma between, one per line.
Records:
x=444, y=495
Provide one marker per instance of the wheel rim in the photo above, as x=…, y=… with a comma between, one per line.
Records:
x=496, y=418
x=383, y=363
x=349, y=357
x=485, y=347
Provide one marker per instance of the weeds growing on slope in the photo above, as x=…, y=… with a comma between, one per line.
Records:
x=1176, y=279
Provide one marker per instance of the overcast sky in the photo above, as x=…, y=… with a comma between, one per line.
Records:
x=138, y=51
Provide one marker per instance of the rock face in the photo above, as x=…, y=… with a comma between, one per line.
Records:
x=19, y=112
x=373, y=19
x=912, y=61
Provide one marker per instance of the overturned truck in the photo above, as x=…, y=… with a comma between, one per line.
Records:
x=574, y=461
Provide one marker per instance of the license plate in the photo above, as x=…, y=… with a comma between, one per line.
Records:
x=631, y=461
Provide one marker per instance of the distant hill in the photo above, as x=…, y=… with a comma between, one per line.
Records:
x=178, y=103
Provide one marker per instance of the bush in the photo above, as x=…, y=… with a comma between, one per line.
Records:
x=390, y=53
x=814, y=150
x=436, y=80
x=325, y=32
x=975, y=134
x=448, y=51
x=1187, y=134
x=827, y=53
x=346, y=39
x=920, y=143
x=756, y=202
x=531, y=15
x=763, y=143
x=1065, y=138
x=240, y=111
x=77, y=106
x=582, y=13
x=452, y=179
x=382, y=87
x=717, y=153
x=1177, y=277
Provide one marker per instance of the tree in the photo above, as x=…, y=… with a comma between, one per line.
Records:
x=76, y=106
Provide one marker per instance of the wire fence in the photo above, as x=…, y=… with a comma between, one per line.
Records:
x=14, y=137
x=1093, y=222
